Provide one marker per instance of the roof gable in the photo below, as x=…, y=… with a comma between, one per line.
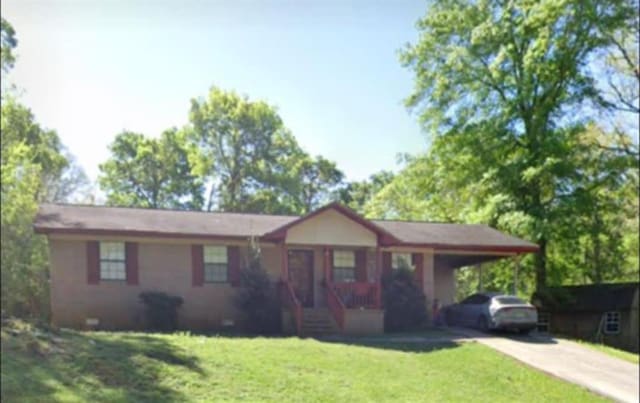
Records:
x=383, y=235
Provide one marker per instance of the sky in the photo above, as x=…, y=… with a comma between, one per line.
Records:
x=91, y=69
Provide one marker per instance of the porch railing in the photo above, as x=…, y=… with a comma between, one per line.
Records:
x=335, y=305
x=358, y=295
x=290, y=300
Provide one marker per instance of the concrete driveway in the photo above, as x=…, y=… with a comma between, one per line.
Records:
x=596, y=371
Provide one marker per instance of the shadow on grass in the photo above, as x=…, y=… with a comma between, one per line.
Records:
x=407, y=347
x=93, y=367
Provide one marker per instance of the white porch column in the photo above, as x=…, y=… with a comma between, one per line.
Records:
x=429, y=280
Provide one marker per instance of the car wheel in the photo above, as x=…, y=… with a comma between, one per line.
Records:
x=482, y=324
x=524, y=332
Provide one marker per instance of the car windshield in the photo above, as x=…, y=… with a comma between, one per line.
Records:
x=510, y=300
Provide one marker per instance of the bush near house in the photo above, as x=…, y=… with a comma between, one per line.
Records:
x=404, y=302
x=161, y=310
x=257, y=297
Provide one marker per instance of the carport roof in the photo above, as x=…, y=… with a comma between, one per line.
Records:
x=102, y=220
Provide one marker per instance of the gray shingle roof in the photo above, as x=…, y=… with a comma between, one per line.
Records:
x=101, y=219
x=587, y=298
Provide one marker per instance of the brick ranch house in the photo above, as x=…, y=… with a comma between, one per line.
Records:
x=329, y=263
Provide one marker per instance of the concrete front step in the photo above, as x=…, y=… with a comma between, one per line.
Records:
x=317, y=322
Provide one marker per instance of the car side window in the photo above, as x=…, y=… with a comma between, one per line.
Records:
x=471, y=300
x=483, y=299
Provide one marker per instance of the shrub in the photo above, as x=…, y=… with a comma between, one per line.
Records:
x=161, y=310
x=404, y=302
x=257, y=298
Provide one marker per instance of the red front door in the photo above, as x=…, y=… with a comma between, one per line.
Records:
x=300, y=264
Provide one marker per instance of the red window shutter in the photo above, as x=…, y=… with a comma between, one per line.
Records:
x=233, y=273
x=361, y=266
x=417, y=260
x=131, y=263
x=386, y=264
x=93, y=262
x=197, y=265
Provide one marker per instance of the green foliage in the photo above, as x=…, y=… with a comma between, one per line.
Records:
x=251, y=162
x=149, y=172
x=404, y=302
x=8, y=42
x=257, y=298
x=33, y=168
x=357, y=194
x=237, y=137
x=161, y=310
x=497, y=87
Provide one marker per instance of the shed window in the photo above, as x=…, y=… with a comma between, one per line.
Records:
x=344, y=266
x=215, y=264
x=112, y=261
x=399, y=260
x=543, y=322
x=612, y=323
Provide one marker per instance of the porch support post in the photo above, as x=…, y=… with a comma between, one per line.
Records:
x=516, y=269
x=285, y=261
x=480, y=287
x=325, y=264
x=378, y=275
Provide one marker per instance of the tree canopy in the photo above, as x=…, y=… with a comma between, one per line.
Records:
x=150, y=172
x=498, y=89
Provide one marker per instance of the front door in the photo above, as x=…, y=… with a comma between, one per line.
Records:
x=300, y=264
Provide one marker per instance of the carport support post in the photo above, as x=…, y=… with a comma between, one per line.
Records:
x=515, y=275
x=480, y=288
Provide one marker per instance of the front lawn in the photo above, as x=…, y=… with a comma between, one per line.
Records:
x=127, y=367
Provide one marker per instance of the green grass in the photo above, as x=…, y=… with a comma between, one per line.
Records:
x=128, y=367
x=612, y=351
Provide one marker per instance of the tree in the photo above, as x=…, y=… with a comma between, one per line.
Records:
x=502, y=84
x=620, y=94
x=148, y=172
x=237, y=138
x=318, y=178
x=8, y=43
x=30, y=161
x=357, y=194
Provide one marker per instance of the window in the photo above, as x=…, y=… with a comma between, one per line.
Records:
x=399, y=260
x=215, y=264
x=612, y=323
x=112, y=261
x=344, y=266
x=510, y=301
x=543, y=322
x=475, y=299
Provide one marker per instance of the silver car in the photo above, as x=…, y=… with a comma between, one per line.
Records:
x=490, y=311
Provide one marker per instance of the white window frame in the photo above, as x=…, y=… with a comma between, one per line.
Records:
x=612, y=318
x=216, y=264
x=344, y=266
x=112, y=259
x=397, y=256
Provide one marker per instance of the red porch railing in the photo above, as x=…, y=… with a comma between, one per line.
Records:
x=335, y=305
x=290, y=300
x=358, y=295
